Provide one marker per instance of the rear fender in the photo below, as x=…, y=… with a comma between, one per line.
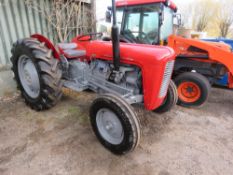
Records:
x=48, y=43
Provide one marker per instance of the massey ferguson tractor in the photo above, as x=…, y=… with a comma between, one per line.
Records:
x=198, y=64
x=122, y=74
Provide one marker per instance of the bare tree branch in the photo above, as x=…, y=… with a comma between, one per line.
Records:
x=65, y=17
x=225, y=17
x=203, y=11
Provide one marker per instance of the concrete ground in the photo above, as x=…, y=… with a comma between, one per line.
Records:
x=60, y=141
x=7, y=84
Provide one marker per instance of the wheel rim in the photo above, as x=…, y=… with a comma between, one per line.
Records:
x=28, y=76
x=189, y=92
x=109, y=126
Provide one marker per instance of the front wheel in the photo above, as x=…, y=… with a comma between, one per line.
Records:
x=170, y=100
x=115, y=124
x=193, y=89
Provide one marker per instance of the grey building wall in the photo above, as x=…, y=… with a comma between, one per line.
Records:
x=18, y=21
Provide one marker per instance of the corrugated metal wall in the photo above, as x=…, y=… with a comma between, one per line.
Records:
x=18, y=21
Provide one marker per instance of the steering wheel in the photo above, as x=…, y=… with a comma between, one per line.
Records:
x=130, y=37
x=88, y=37
x=125, y=39
x=145, y=39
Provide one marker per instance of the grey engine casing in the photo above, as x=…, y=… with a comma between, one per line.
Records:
x=95, y=76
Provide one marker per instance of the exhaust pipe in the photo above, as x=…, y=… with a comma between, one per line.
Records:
x=115, y=39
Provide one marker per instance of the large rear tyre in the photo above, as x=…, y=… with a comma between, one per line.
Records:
x=193, y=89
x=115, y=124
x=37, y=74
x=170, y=100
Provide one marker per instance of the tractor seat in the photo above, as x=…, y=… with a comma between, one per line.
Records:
x=71, y=50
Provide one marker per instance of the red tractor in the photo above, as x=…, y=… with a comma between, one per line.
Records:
x=123, y=74
x=198, y=64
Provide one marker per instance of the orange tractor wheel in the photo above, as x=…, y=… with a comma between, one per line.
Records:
x=193, y=89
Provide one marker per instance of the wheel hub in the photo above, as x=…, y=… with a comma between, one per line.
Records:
x=189, y=89
x=109, y=126
x=189, y=92
x=28, y=76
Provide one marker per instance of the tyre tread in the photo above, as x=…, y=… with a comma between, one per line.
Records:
x=199, y=79
x=48, y=70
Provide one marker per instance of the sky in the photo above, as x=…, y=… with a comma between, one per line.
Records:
x=101, y=6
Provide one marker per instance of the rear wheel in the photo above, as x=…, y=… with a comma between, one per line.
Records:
x=170, y=100
x=37, y=74
x=193, y=89
x=115, y=124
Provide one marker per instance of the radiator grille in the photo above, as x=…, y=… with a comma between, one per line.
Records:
x=166, y=79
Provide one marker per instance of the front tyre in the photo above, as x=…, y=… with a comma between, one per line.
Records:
x=170, y=100
x=37, y=74
x=115, y=124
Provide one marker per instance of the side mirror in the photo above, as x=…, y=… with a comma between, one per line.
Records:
x=109, y=8
x=177, y=20
x=167, y=3
x=161, y=18
x=108, y=16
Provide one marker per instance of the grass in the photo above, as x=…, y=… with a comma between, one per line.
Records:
x=8, y=93
x=4, y=68
x=77, y=113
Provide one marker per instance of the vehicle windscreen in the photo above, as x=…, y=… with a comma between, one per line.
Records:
x=141, y=23
x=167, y=27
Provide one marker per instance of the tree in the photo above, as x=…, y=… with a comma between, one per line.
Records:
x=225, y=17
x=186, y=16
x=197, y=14
x=64, y=16
x=203, y=11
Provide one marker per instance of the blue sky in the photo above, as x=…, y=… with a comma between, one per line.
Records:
x=101, y=6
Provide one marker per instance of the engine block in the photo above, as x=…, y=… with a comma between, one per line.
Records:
x=96, y=76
